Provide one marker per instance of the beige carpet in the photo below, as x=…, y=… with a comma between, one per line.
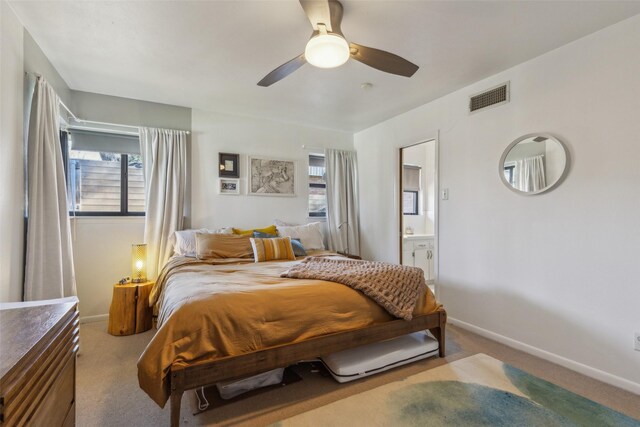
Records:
x=108, y=393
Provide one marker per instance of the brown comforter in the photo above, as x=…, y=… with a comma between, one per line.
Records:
x=209, y=309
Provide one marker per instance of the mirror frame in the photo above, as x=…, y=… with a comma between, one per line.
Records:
x=506, y=151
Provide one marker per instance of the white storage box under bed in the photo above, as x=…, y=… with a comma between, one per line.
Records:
x=359, y=362
x=231, y=389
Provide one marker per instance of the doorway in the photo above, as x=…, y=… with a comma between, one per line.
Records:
x=418, y=214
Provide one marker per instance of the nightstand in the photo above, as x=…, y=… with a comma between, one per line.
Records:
x=130, y=312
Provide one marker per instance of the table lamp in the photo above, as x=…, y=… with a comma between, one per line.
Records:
x=139, y=263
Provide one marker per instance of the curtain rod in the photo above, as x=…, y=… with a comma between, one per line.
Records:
x=91, y=121
x=67, y=108
x=313, y=150
x=116, y=124
x=103, y=130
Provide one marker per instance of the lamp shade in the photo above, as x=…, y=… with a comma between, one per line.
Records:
x=139, y=263
x=327, y=51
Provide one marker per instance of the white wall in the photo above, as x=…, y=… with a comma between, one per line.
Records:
x=11, y=156
x=126, y=111
x=36, y=62
x=558, y=271
x=102, y=256
x=214, y=133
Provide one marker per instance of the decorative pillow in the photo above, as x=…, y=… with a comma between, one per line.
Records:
x=310, y=235
x=184, y=241
x=210, y=245
x=249, y=232
x=273, y=248
x=298, y=249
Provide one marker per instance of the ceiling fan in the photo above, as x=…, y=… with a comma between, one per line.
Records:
x=327, y=47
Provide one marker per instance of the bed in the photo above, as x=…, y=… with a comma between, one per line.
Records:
x=222, y=319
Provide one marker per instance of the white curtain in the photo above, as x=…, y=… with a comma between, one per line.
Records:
x=342, y=201
x=49, y=269
x=529, y=174
x=164, y=161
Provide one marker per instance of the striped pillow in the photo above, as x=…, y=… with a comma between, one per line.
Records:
x=272, y=249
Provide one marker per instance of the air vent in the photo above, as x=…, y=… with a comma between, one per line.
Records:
x=489, y=98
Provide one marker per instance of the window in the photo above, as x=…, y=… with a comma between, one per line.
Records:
x=410, y=203
x=411, y=186
x=317, y=187
x=104, y=174
x=508, y=174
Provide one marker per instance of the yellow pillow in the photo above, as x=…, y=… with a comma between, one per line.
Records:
x=272, y=249
x=269, y=230
x=209, y=245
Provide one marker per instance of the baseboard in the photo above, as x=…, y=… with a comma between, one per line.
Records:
x=551, y=357
x=91, y=319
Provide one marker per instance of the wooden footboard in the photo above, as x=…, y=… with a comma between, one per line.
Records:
x=183, y=378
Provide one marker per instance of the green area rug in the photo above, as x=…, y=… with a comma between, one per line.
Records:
x=476, y=391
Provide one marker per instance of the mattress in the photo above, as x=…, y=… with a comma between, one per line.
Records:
x=360, y=362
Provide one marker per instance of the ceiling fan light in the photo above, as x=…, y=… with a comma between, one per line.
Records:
x=327, y=51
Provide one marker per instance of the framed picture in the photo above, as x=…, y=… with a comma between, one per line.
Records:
x=228, y=165
x=272, y=177
x=229, y=186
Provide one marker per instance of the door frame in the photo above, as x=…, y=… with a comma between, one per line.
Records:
x=436, y=205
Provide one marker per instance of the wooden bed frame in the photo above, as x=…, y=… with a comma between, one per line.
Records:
x=183, y=378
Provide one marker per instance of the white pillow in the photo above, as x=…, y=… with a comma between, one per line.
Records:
x=310, y=235
x=185, y=240
x=222, y=230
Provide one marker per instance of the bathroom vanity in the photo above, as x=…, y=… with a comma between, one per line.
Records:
x=418, y=250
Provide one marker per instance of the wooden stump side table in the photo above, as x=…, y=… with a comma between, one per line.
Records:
x=130, y=312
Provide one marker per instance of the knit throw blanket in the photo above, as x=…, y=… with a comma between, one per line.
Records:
x=394, y=287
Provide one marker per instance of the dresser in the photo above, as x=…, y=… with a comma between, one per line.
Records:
x=38, y=346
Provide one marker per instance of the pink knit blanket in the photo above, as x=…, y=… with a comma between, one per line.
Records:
x=396, y=288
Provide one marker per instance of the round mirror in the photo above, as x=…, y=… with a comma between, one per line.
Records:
x=533, y=164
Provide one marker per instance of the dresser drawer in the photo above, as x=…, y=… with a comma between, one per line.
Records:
x=417, y=244
x=54, y=408
x=420, y=245
x=37, y=364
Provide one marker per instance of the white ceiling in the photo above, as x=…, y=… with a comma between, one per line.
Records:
x=211, y=54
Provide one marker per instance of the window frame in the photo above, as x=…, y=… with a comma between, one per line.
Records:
x=124, y=184
x=415, y=210
x=318, y=214
x=510, y=169
x=317, y=185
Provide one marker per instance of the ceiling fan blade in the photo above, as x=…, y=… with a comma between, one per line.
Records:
x=335, y=8
x=383, y=61
x=283, y=71
x=327, y=12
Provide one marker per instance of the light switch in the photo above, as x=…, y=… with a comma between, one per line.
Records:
x=445, y=194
